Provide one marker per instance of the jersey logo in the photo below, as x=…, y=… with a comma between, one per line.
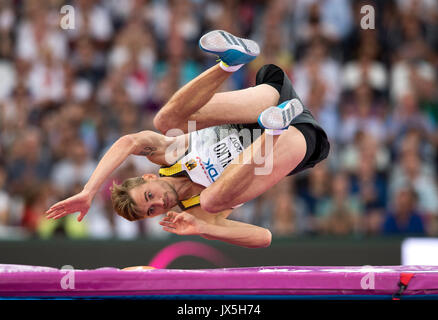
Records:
x=212, y=172
x=209, y=169
x=191, y=164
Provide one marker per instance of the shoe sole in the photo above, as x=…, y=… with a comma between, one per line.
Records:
x=226, y=45
x=289, y=111
x=292, y=110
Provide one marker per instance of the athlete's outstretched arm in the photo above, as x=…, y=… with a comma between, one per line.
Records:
x=220, y=228
x=146, y=143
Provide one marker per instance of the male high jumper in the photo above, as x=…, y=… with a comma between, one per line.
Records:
x=210, y=171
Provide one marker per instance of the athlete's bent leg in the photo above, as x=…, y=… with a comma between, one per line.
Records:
x=197, y=101
x=236, y=107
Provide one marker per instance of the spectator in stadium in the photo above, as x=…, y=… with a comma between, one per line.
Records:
x=342, y=212
x=405, y=217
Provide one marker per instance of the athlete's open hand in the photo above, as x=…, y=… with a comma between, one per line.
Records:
x=181, y=223
x=80, y=202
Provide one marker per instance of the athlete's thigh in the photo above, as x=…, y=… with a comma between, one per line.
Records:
x=288, y=151
x=236, y=107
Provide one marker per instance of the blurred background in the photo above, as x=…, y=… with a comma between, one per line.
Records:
x=67, y=95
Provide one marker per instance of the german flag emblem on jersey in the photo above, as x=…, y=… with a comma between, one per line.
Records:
x=191, y=164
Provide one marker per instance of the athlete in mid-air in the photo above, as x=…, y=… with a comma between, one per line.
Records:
x=210, y=171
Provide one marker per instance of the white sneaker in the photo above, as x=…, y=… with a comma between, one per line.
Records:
x=231, y=50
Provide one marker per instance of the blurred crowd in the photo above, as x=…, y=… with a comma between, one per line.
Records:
x=67, y=95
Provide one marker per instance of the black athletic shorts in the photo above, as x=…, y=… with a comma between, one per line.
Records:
x=317, y=144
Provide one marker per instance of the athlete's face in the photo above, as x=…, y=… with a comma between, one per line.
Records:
x=154, y=197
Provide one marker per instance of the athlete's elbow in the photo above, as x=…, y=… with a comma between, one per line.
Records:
x=211, y=203
x=127, y=142
x=218, y=197
x=263, y=240
x=210, y=206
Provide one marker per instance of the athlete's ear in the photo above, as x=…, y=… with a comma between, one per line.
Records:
x=149, y=176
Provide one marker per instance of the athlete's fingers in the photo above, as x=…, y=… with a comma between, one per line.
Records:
x=178, y=218
x=60, y=211
x=52, y=209
x=54, y=213
x=50, y=213
x=167, y=224
x=183, y=216
x=179, y=214
x=60, y=215
x=166, y=221
x=58, y=205
x=171, y=214
x=81, y=216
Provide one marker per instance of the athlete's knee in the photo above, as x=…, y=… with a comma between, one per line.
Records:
x=267, y=239
x=209, y=203
x=161, y=123
x=164, y=121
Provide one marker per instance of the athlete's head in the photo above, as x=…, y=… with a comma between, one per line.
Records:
x=143, y=197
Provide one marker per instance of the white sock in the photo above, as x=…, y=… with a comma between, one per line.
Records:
x=274, y=132
x=228, y=68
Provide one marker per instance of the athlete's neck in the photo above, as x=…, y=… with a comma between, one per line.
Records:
x=183, y=186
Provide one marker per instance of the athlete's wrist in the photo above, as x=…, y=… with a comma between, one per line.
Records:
x=90, y=192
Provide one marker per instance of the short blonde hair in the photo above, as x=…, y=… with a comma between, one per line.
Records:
x=122, y=202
